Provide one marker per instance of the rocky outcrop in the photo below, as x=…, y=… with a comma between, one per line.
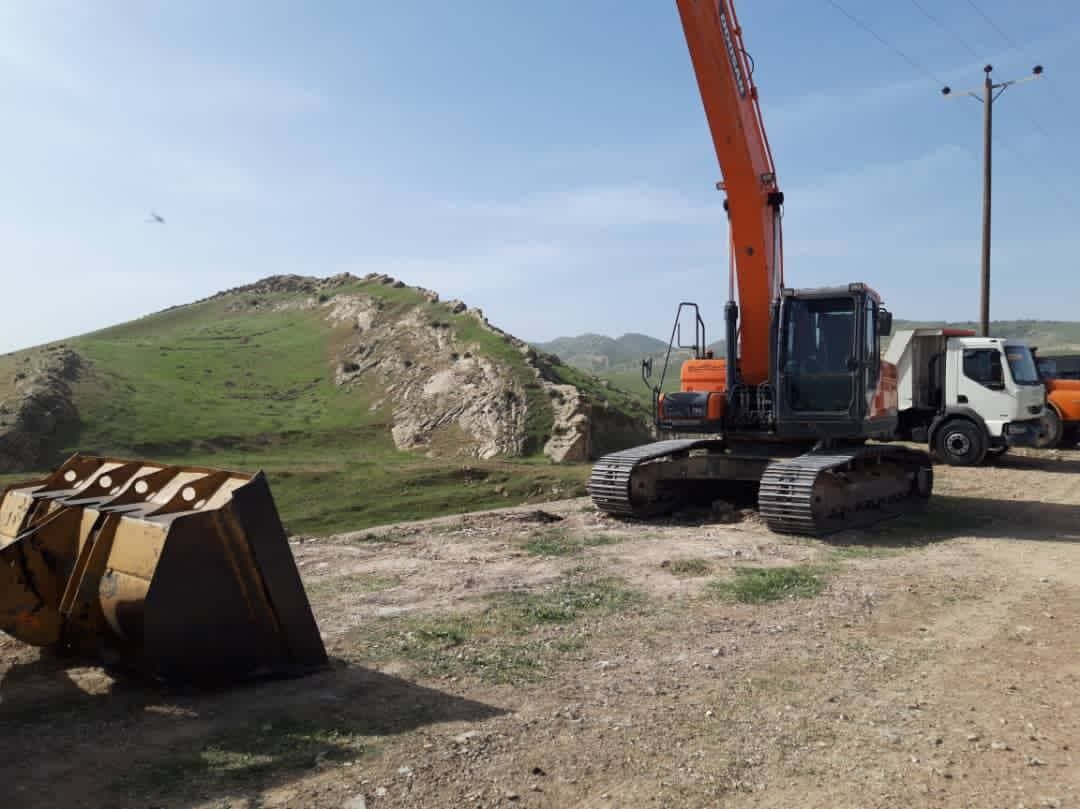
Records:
x=445, y=396
x=38, y=417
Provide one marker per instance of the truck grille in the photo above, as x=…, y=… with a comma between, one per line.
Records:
x=1035, y=409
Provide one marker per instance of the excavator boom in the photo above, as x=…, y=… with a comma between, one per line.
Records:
x=753, y=198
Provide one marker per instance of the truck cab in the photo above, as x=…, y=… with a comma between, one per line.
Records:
x=967, y=397
x=1061, y=419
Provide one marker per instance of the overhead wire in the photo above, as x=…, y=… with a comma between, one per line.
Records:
x=945, y=28
x=922, y=68
x=1016, y=47
x=970, y=49
x=990, y=21
x=919, y=67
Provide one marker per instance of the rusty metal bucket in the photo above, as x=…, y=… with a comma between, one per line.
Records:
x=182, y=572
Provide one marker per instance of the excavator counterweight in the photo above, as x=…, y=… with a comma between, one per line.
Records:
x=182, y=573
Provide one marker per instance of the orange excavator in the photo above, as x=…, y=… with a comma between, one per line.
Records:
x=802, y=392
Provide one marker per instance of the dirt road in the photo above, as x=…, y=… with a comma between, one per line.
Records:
x=563, y=659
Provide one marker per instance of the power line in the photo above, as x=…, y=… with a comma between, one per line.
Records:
x=1016, y=47
x=945, y=28
x=919, y=67
x=994, y=25
x=912, y=62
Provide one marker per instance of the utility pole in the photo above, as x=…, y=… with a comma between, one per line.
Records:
x=991, y=93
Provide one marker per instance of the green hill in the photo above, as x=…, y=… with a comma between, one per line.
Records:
x=1047, y=335
x=620, y=355
x=364, y=400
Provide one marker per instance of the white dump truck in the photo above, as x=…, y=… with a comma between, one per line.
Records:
x=967, y=397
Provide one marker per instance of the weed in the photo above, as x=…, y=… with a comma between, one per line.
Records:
x=689, y=567
x=558, y=542
x=516, y=638
x=353, y=584
x=760, y=585
x=241, y=758
x=863, y=552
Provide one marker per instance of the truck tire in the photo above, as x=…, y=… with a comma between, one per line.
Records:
x=961, y=443
x=1052, y=430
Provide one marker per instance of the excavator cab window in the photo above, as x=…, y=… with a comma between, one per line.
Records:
x=820, y=354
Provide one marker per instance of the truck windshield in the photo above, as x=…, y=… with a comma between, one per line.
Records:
x=1022, y=365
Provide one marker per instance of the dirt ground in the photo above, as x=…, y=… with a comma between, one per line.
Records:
x=565, y=659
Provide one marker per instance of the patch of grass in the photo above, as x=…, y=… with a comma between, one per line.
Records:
x=559, y=542
x=516, y=638
x=863, y=552
x=689, y=567
x=353, y=584
x=245, y=758
x=763, y=584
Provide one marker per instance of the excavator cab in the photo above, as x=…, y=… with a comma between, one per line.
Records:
x=828, y=368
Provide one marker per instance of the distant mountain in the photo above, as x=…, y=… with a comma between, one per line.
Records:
x=620, y=358
x=1047, y=335
x=605, y=355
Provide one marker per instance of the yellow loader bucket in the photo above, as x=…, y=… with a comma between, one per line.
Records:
x=182, y=572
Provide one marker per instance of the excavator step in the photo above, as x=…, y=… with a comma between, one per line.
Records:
x=184, y=573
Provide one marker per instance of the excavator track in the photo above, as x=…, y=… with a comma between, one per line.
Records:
x=612, y=482
x=820, y=493
x=813, y=494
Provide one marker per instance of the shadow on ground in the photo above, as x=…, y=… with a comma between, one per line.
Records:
x=134, y=744
x=949, y=517
x=1052, y=461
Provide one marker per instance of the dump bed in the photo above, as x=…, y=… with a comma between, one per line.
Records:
x=920, y=375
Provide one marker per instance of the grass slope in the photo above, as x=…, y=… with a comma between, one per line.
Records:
x=251, y=388
x=1044, y=334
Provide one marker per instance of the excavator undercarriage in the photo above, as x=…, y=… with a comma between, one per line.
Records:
x=182, y=573
x=814, y=493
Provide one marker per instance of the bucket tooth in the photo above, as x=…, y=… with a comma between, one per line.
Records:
x=183, y=572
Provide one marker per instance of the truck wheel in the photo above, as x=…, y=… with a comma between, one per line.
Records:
x=961, y=443
x=1051, y=429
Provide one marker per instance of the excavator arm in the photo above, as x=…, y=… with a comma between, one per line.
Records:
x=753, y=198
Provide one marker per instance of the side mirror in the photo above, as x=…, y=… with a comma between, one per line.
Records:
x=884, y=321
x=646, y=369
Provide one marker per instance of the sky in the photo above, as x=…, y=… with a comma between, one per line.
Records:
x=546, y=162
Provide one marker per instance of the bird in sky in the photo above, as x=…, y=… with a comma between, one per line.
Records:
x=155, y=219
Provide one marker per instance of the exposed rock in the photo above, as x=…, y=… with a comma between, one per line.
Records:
x=570, y=435
x=446, y=399
x=39, y=417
